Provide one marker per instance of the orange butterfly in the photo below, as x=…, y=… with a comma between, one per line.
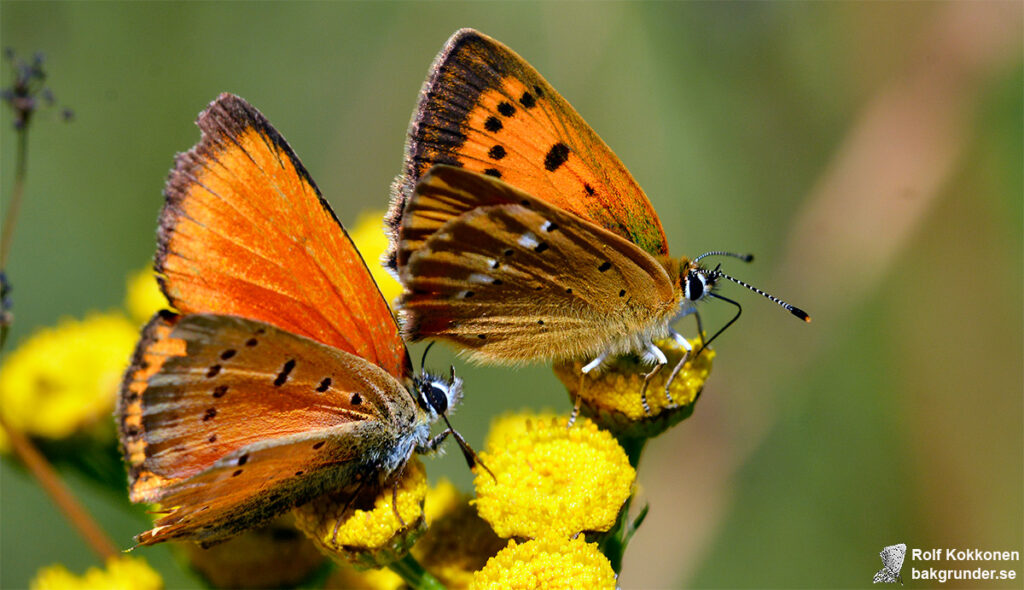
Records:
x=518, y=234
x=284, y=375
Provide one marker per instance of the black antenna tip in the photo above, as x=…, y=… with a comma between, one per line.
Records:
x=748, y=258
x=800, y=314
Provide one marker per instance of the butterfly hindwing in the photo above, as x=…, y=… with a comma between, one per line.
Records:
x=232, y=421
x=492, y=276
x=246, y=232
x=486, y=109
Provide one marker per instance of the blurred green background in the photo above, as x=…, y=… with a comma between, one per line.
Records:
x=870, y=154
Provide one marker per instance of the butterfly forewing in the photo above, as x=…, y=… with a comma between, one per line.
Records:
x=495, y=275
x=486, y=109
x=206, y=388
x=246, y=232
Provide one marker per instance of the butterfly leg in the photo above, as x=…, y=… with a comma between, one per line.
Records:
x=472, y=459
x=576, y=402
x=679, y=338
x=587, y=368
x=394, y=495
x=662, y=361
x=341, y=515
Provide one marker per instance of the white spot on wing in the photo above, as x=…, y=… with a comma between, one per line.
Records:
x=479, y=278
x=528, y=240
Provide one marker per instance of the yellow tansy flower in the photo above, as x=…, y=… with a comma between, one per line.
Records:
x=611, y=395
x=368, y=236
x=441, y=501
x=121, y=573
x=554, y=480
x=374, y=537
x=143, y=297
x=551, y=563
x=513, y=424
x=65, y=378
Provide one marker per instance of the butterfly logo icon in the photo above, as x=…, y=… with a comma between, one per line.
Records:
x=282, y=375
x=519, y=235
x=892, y=563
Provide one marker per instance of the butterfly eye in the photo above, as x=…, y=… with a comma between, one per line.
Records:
x=437, y=398
x=694, y=287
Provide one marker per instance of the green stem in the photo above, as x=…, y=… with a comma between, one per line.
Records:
x=614, y=542
x=414, y=575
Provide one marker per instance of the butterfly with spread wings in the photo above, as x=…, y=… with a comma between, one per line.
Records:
x=282, y=375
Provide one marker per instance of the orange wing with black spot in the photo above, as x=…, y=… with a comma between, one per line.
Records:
x=246, y=232
x=228, y=422
x=486, y=109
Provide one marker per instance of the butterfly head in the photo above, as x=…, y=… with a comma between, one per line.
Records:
x=436, y=394
x=697, y=281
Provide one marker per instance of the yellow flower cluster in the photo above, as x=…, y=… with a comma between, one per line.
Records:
x=457, y=544
x=371, y=537
x=612, y=394
x=549, y=563
x=121, y=573
x=64, y=379
x=550, y=479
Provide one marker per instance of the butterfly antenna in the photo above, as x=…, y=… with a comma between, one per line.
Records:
x=790, y=308
x=743, y=257
x=423, y=360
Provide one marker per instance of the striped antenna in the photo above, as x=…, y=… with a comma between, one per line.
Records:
x=792, y=309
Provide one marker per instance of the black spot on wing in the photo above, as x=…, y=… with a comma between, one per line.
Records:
x=324, y=385
x=506, y=109
x=493, y=125
x=527, y=100
x=604, y=266
x=556, y=156
x=220, y=390
x=282, y=377
x=497, y=152
x=493, y=172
